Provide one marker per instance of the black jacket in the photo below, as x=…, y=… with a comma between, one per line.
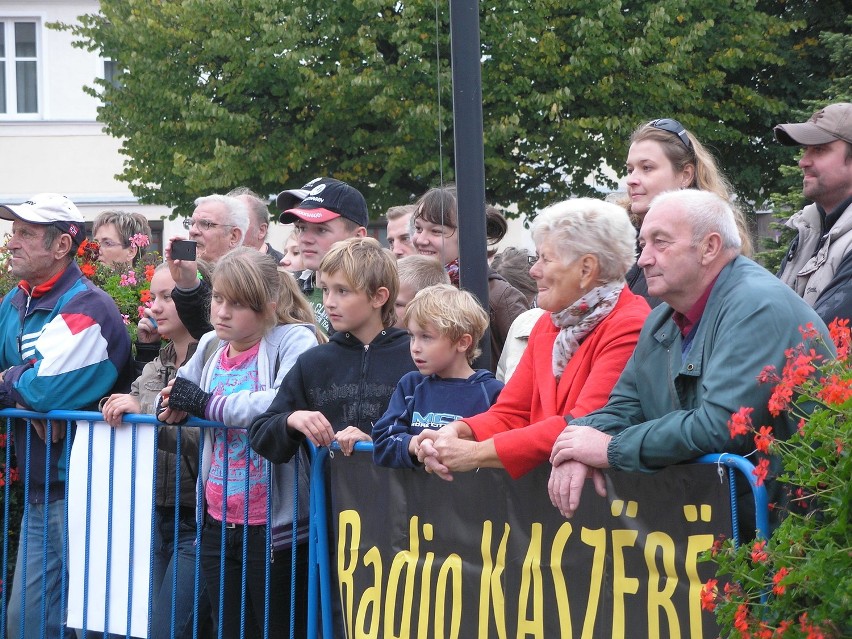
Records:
x=347, y=381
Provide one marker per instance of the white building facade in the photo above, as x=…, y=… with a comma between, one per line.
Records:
x=50, y=139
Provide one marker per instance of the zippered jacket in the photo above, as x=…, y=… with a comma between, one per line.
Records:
x=63, y=349
x=346, y=380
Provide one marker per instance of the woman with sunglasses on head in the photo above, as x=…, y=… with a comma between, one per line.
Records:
x=664, y=156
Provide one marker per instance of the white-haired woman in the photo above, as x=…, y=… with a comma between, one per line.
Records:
x=576, y=351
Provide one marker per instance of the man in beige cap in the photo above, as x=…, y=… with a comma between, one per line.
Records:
x=818, y=264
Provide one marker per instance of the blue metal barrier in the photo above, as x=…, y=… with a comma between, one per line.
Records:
x=95, y=493
x=320, y=589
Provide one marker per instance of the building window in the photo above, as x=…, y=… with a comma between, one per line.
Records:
x=111, y=71
x=18, y=67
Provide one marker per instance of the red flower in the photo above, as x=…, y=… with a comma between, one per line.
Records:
x=758, y=552
x=741, y=619
x=740, y=422
x=145, y=296
x=768, y=375
x=835, y=391
x=149, y=272
x=781, y=396
x=838, y=443
x=778, y=588
x=801, y=426
x=782, y=628
x=799, y=368
x=708, y=595
x=717, y=546
x=760, y=471
x=840, y=335
x=88, y=269
x=809, y=332
x=763, y=439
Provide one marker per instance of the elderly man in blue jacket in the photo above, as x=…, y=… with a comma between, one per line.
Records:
x=63, y=345
x=698, y=357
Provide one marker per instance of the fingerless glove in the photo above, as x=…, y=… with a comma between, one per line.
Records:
x=188, y=397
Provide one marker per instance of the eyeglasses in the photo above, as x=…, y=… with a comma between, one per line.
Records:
x=532, y=259
x=204, y=225
x=109, y=243
x=672, y=126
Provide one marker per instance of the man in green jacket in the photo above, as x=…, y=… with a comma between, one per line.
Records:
x=724, y=320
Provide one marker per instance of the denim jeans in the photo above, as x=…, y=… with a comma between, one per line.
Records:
x=166, y=555
x=37, y=559
x=279, y=581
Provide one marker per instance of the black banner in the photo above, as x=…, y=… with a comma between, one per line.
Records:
x=487, y=556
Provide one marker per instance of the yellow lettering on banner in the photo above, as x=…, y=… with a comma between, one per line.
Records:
x=405, y=560
x=349, y=538
x=621, y=584
x=452, y=567
x=531, y=576
x=660, y=601
x=371, y=600
x=696, y=545
x=425, y=586
x=557, y=550
x=596, y=539
x=490, y=584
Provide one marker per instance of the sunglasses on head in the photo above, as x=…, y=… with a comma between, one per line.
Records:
x=672, y=126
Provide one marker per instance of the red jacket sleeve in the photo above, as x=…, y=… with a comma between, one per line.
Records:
x=530, y=412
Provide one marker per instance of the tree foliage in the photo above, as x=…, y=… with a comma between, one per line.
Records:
x=271, y=93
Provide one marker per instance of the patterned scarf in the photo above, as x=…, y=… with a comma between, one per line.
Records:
x=580, y=319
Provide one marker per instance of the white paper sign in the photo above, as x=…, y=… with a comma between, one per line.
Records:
x=129, y=570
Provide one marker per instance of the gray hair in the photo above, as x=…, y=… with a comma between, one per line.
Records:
x=585, y=225
x=707, y=213
x=258, y=206
x=236, y=211
x=126, y=225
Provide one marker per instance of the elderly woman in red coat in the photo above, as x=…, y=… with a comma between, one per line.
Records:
x=576, y=350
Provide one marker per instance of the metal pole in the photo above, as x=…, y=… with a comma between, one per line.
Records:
x=469, y=154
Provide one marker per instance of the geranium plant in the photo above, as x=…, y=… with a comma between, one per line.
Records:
x=797, y=583
x=129, y=286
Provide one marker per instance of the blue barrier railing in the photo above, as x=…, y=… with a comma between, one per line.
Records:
x=320, y=592
x=35, y=593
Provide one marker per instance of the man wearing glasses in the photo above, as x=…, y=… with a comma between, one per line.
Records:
x=218, y=224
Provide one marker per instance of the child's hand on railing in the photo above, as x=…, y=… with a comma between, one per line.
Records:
x=348, y=437
x=313, y=425
x=116, y=406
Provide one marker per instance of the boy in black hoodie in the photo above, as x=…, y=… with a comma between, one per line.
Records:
x=336, y=391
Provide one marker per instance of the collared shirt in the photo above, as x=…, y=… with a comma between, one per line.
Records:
x=688, y=322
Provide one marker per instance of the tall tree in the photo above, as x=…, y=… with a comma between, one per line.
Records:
x=270, y=93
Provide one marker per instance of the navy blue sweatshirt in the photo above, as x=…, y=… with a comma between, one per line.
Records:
x=422, y=402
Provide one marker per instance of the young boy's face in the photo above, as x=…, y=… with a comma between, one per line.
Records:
x=406, y=294
x=315, y=240
x=348, y=309
x=436, y=354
